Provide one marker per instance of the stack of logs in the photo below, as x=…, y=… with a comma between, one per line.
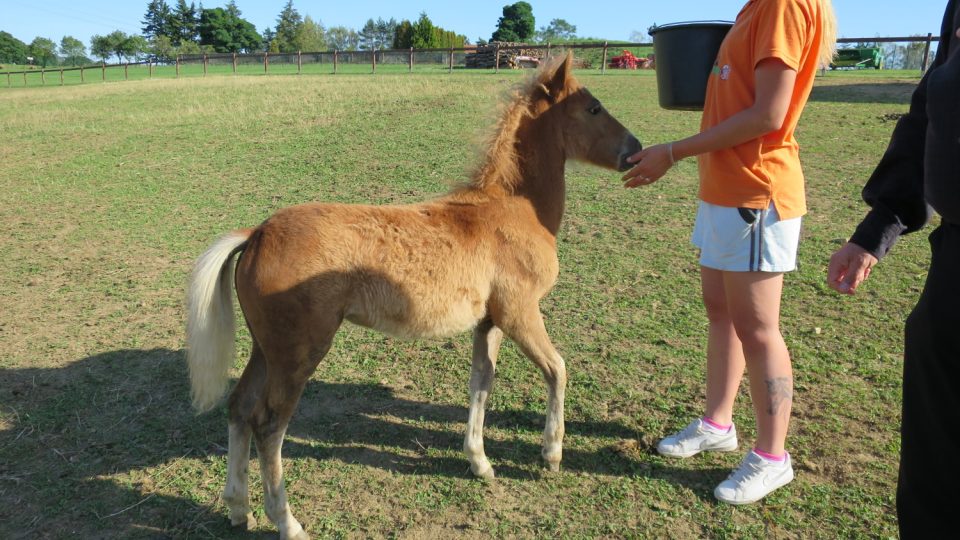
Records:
x=486, y=55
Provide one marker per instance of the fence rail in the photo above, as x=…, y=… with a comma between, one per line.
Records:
x=449, y=58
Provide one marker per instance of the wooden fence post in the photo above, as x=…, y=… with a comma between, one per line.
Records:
x=61, y=76
x=126, y=71
x=548, y=50
x=234, y=63
x=103, y=71
x=926, y=54
x=24, y=78
x=178, y=66
x=266, y=62
x=150, y=68
x=603, y=66
x=204, y=64
x=411, y=59
x=496, y=60
x=299, y=62
x=373, y=57
x=82, y=79
x=451, y=60
x=8, y=80
x=43, y=77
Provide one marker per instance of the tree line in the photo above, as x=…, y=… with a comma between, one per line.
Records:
x=183, y=28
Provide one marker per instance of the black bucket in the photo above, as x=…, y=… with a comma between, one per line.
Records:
x=685, y=54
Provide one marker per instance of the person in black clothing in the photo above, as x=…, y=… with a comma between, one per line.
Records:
x=920, y=173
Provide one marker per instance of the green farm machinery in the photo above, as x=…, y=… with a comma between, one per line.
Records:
x=858, y=58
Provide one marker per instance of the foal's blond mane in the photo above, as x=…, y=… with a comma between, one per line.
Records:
x=499, y=165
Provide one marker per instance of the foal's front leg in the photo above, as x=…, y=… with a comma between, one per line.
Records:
x=486, y=345
x=529, y=332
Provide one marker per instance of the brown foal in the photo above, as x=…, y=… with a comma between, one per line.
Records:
x=480, y=257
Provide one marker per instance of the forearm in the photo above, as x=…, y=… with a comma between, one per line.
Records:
x=744, y=126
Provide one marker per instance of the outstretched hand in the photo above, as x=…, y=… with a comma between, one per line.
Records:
x=651, y=164
x=849, y=267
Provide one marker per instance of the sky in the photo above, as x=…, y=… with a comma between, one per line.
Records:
x=605, y=19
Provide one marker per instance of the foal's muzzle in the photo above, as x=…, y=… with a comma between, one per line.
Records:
x=630, y=147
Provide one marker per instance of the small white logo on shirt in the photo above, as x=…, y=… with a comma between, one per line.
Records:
x=725, y=72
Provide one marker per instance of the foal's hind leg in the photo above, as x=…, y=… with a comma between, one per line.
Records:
x=529, y=332
x=287, y=374
x=486, y=344
x=242, y=401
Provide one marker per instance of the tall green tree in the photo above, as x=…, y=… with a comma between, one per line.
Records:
x=424, y=36
x=557, y=30
x=311, y=36
x=73, y=51
x=185, y=23
x=288, y=24
x=516, y=24
x=223, y=31
x=12, y=50
x=385, y=31
x=43, y=51
x=101, y=47
x=447, y=38
x=118, y=43
x=377, y=34
x=158, y=20
x=161, y=47
x=403, y=35
x=341, y=38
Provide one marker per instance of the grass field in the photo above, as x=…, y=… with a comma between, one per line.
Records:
x=109, y=191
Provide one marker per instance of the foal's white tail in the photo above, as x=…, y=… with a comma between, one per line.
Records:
x=210, y=327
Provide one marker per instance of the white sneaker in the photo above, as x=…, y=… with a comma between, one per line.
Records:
x=754, y=479
x=695, y=438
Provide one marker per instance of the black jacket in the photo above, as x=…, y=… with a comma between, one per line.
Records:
x=920, y=170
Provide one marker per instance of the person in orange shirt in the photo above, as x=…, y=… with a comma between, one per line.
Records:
x=748, y=227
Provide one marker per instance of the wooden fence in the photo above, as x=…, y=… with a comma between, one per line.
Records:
x=337, y=61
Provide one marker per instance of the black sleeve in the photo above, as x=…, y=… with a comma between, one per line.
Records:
x=895, y=189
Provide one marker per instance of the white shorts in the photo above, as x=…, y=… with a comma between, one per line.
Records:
x=745, y=239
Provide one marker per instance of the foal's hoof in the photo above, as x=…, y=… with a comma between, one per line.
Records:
x=247, y=523
x=483, y=473
x=552, y=466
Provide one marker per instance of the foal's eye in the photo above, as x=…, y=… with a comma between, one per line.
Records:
x=595, y=108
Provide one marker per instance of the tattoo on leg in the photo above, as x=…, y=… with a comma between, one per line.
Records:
x=779, y=392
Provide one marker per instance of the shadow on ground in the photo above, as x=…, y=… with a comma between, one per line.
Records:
x=886, y=93
x=76, y=443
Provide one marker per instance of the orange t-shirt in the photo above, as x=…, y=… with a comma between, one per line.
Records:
x=754, y=173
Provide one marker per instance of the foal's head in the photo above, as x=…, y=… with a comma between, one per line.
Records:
x=589, y=133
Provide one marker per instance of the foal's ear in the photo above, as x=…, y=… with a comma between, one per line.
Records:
x=555, y=81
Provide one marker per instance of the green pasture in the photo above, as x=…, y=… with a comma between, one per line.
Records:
x=109, y=191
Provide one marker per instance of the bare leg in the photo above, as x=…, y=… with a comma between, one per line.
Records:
x=486, y=345
x=754, y=300
x=725, y=361
x=531, y=335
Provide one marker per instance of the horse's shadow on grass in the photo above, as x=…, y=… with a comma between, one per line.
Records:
x=65, y=432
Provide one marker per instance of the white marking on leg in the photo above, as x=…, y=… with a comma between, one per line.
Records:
x=236, y=492
x=553, y=429
x=274, y=494
x=486, y=344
